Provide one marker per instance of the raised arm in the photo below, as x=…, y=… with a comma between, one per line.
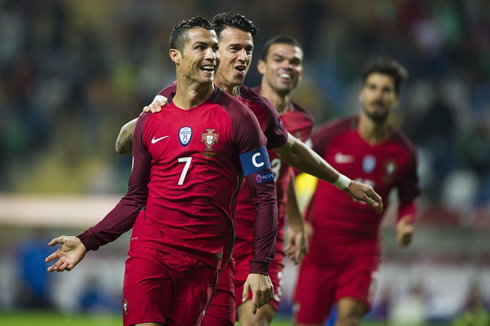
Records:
x=301, y=157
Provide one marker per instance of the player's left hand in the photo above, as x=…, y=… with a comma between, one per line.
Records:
x=262, y=290
x=68, y=255
x=365, y=193
x=297, y=244
x=404, y=231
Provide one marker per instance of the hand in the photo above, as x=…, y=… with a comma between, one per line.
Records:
x=297, y=241
x=404, y=231
x=262, y=290
x=309, y=229
x=366, y=194
x=157, y=104
x=69, y=254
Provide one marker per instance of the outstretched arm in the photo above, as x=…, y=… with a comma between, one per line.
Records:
x=297, y=242
x=301, y=157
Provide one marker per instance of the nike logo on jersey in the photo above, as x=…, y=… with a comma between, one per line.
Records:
x=343, y=159
x=154, y=140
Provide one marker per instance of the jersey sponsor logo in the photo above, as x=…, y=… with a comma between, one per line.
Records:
x=185, y=135
x=255, y=161
x=264, y=177
x=209, y=138
x=368, y=163
x=343, y=158
x=154, y=140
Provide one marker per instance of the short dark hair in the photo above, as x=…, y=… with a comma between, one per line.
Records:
x=178, y=37
x=230, y=19
x=386, y=66
x=280, y=39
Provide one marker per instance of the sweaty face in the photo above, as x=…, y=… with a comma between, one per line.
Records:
x=283, y=68
x=378, y=97
x=235, y=49
x=200, y=58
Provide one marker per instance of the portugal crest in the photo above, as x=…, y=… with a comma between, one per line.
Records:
x=209, y=138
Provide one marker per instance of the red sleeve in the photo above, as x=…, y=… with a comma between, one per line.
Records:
x=407, y=209
x=122, y=217
x=409, y=187
x=249, y=137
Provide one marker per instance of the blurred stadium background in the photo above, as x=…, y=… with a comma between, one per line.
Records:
x=73, y=72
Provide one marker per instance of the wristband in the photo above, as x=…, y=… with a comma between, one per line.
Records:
x=342, y=182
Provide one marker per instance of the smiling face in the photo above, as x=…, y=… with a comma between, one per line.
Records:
x=235, y=50
x=200, y=58
x=378, y=97
x=283, y=68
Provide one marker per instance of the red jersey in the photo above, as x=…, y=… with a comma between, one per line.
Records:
x=299, y=123
x=338, y=219
x=183, y=162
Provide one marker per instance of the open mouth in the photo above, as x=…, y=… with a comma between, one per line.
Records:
x=285, y=76
x=240, y=69
x=208, y=68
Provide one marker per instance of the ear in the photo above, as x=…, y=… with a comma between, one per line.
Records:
x=261, y=67
x=175, y=55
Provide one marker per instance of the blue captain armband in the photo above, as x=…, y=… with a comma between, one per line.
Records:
x=255, y=161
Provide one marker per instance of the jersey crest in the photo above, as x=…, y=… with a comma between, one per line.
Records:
x=368, y=164
x=209, y=138
x=185, y=135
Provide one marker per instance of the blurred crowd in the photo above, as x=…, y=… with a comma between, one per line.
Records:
x=73, y=72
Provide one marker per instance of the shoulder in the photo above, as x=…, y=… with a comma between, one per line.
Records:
x=337, y=125
x=231, y=105
x=297, y=108
x=398, y=136
x=250, y=95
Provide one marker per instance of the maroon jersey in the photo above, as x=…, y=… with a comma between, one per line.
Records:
x=187, y=169
x=338, y=219
x=298, y=123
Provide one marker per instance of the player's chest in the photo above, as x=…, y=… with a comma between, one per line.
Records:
x=201, y=135
x=380, y=165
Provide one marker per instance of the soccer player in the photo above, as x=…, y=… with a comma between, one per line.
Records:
x=342, y=264
x=183, y=221
x=236, y=34
x=281, y=67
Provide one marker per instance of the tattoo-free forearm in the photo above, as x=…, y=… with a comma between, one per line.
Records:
x=304, y=159
x=124, y=142
x=293, y=213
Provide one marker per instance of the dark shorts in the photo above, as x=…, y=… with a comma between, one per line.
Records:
x=165, y=288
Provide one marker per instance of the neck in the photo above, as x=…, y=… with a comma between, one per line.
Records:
x=189, y=95
x=371, y=131
x=224, y=85
x=280, y=101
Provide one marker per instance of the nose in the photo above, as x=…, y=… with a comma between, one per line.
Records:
x=210, y=54
x=243, y=55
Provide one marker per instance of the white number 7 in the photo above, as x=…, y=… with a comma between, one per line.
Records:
x=187, y=161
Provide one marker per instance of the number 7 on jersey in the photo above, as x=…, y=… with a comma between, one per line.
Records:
x=187, y=161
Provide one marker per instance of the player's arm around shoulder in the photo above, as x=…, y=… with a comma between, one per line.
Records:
x=124, y=141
